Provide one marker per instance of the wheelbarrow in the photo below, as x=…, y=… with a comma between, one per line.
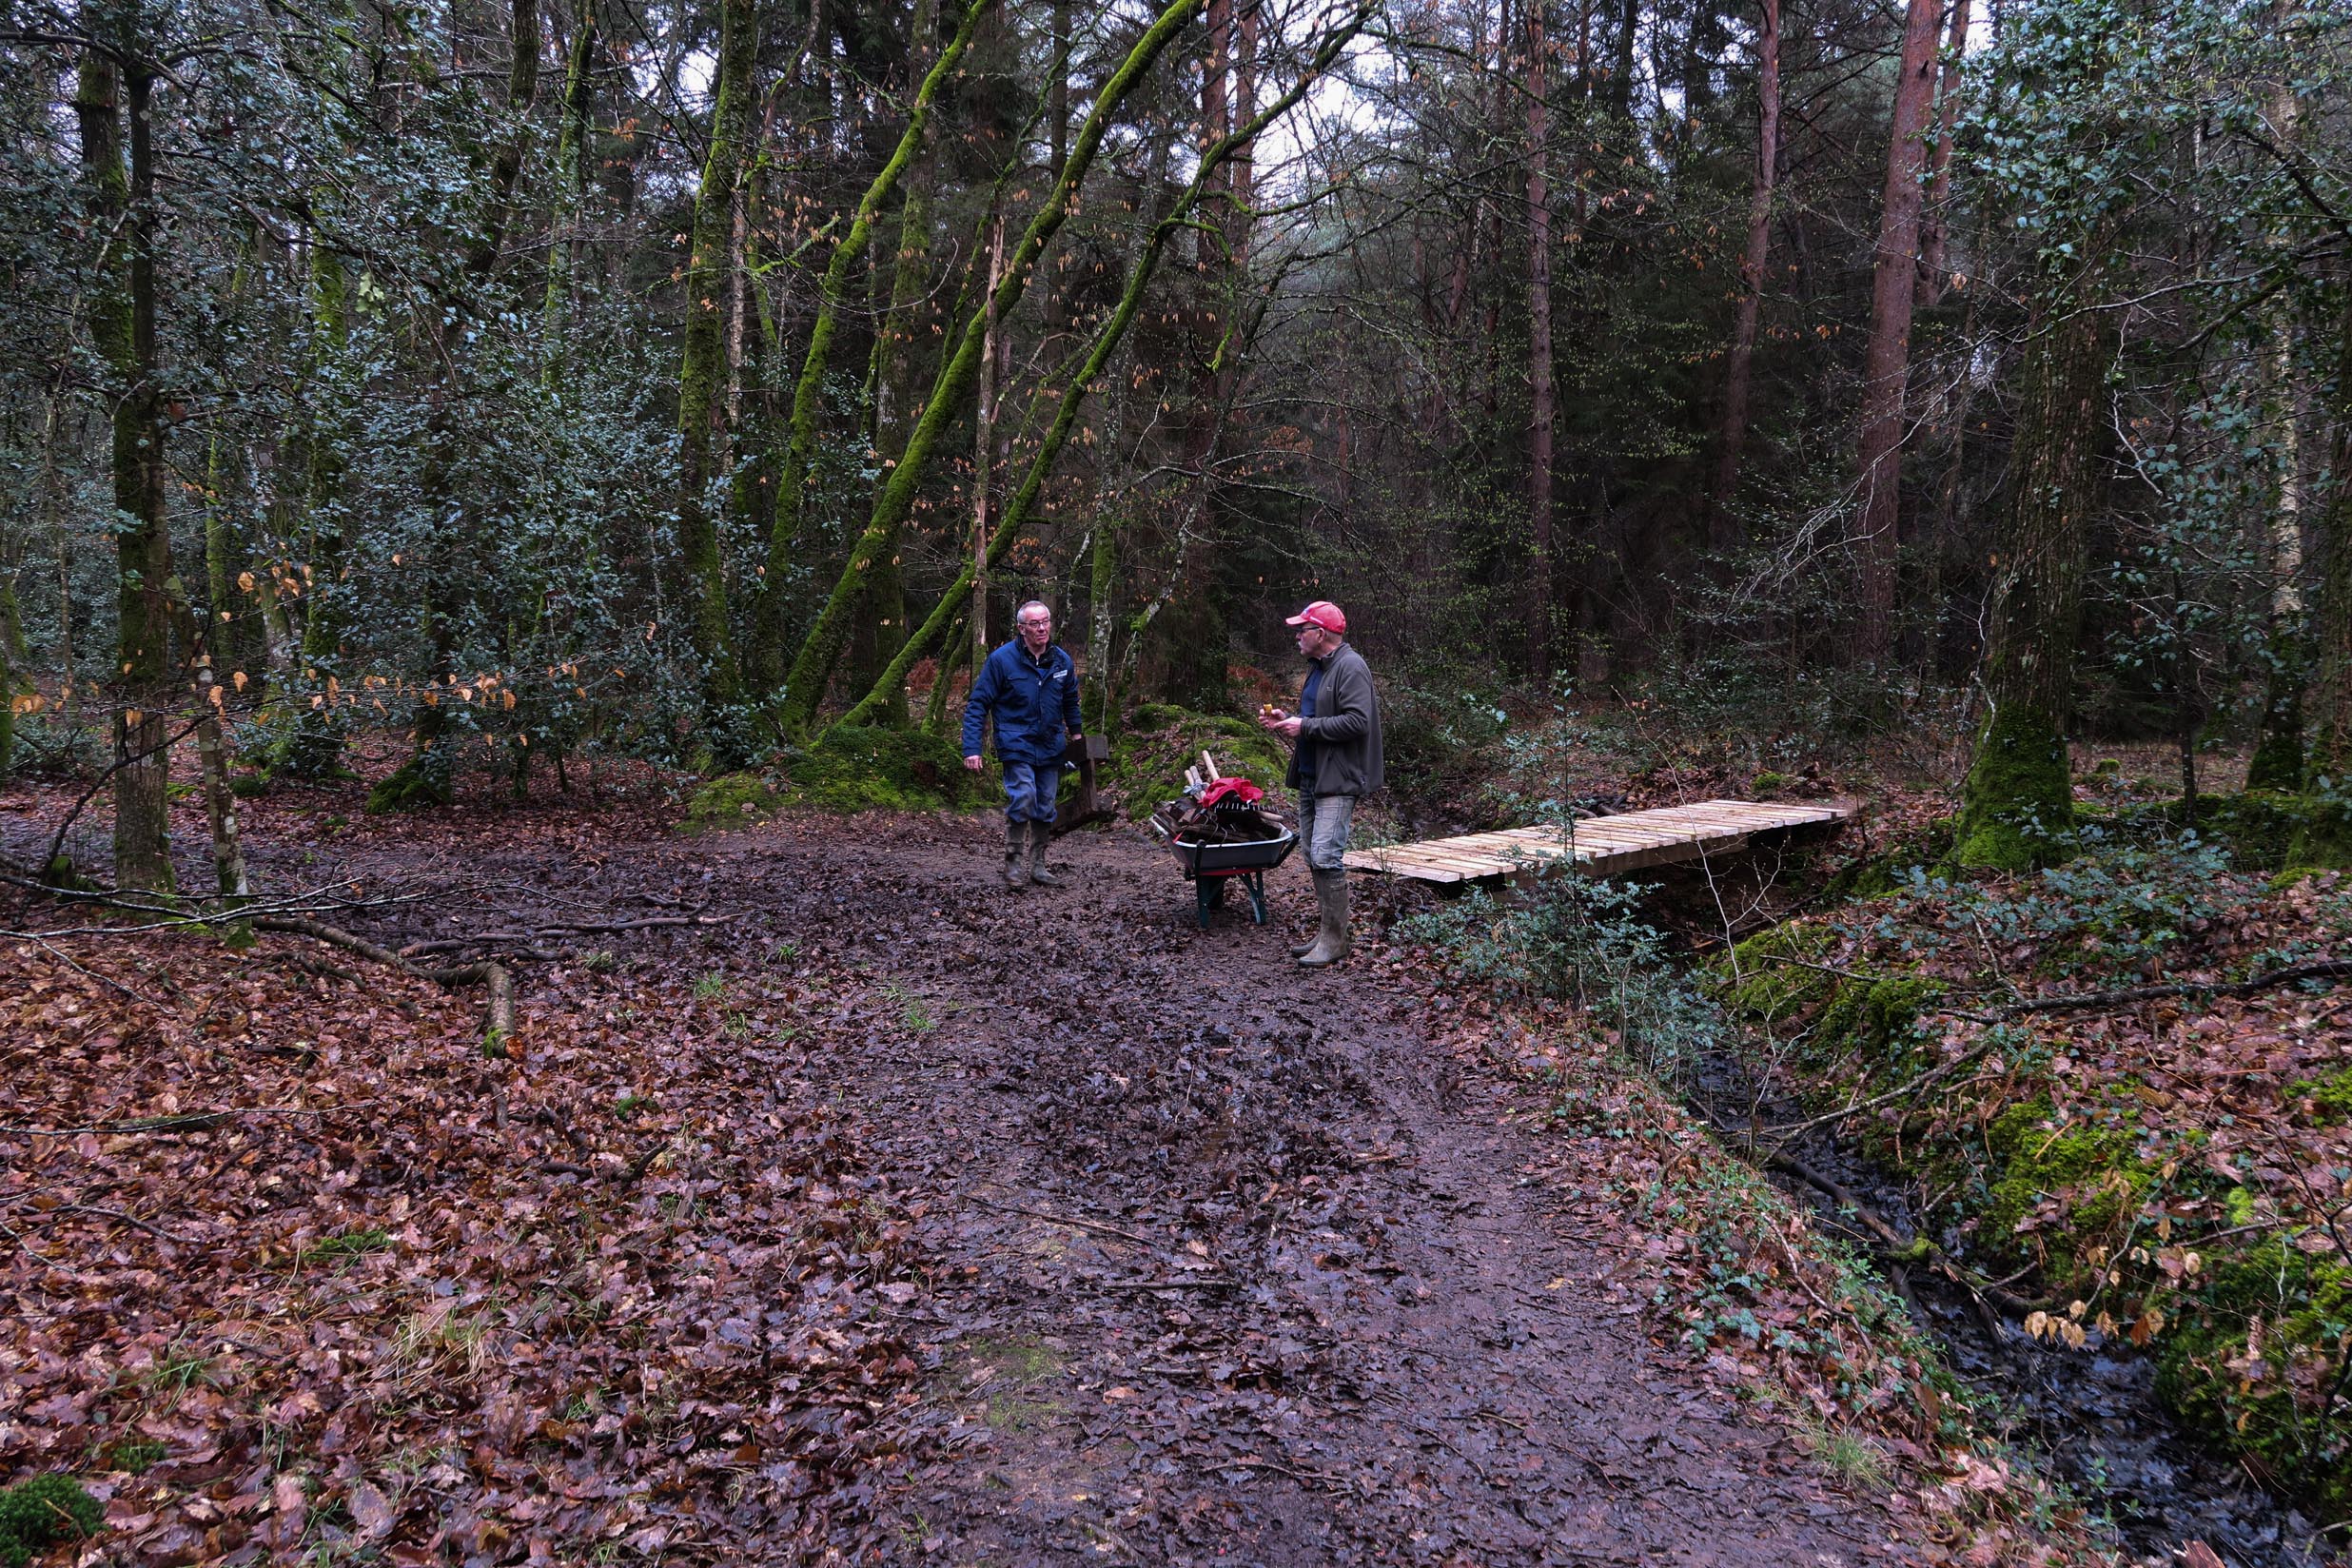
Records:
x=1209, y=866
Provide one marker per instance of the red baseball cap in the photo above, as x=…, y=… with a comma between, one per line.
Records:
x=1321, y=613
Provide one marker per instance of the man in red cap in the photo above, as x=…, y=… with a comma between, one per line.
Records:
x=1334, y=762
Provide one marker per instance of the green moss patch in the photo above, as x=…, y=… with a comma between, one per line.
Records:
x=1774, y=974
x=1148, y=758
x=854, y=768
x=44, y=1512
x=2017, y=807
x=2259, y=1354
x=730, y=800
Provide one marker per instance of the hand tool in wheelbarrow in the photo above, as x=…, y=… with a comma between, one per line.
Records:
x=1223, y=835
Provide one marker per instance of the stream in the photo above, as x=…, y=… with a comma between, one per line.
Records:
x=2090, y=1416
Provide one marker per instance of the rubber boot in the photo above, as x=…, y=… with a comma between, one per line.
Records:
x=1331, y=941
x=1039, y=834
x=1016, y=841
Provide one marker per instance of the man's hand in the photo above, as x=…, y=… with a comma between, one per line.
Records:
x=972, y=763
x=1288, y=728
x=1270, y=719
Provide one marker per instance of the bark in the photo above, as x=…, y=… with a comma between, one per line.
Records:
x=703, y=392
x=1933, y=278
x=1540, y=406
x=312, y=746
x=812, y=668
x=1885, y=366
x=1107, y=341
x=765, y=664
x=120, y=203
x=2327, y=765
x=984, y=449
x=2017, y=808
x=2278, y=759
x=573, y=164
x=1723, y=523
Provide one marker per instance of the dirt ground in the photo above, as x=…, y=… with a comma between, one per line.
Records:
x=1228, y=1262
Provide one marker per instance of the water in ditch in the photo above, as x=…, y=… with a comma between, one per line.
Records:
x=2091, y=1414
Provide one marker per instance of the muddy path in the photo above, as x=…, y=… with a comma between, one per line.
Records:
x=1232, y=1263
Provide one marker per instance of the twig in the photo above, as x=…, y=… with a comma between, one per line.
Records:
x=1900, y=1092
x=1066, y=1220
x=115, y=1214
x=191, y=1122
x=2322, y=968
x=1169, y=1284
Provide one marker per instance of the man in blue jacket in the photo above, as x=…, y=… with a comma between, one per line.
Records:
x=1032, y=688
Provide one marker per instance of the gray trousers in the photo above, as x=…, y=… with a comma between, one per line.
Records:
x=1322, y=824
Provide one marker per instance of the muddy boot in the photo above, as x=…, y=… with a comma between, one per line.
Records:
x=1039, y=834
x=1331, y=941
x=1016, y=868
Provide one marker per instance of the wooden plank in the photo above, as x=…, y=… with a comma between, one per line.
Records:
x=1628, y=841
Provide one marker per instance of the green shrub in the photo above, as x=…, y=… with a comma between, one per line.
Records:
x=42, y=1513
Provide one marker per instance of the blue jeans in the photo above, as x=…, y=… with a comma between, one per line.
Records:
x=1322, y=824
x=1029, y=789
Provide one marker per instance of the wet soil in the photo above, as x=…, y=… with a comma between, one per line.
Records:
x=1232, y=1263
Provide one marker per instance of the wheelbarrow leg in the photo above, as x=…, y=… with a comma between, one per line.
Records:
x=1207, y=893
x=1255, y=883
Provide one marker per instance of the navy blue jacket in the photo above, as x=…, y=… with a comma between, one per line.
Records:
x=1035, y=702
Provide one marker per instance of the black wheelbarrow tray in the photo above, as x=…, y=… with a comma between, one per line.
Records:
x=1209, y=866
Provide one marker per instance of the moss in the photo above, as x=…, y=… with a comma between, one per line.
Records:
x=422, y=781
x=1877, y=874
x=2017, y=807
x=1873, y=1020
x=1768, y=782
x=2330, y=1097
x=2270, y=1403
x=2324, y=841
x=2092, y=1169
x=1147, y=761
x=730, y=800
x=1768, y=989
x=44, y=1512
x=853, y=768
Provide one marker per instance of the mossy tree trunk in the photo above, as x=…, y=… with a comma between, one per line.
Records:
x=574, y=135
x=311, y=744
x=813, y=667
x=765, y=664
x=2017, y=807
x=2327, y=767
x=121, y=204
x=947, y=611
x=703, y=392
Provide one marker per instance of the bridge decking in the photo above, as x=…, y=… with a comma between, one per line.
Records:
x=1602, y=845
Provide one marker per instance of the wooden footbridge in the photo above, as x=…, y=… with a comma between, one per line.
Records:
x=1601, y=845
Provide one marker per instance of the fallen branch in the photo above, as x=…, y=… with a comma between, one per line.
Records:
x=486, y=973
x=189, y=1122
x=2320, y=968
x=1901, y=1091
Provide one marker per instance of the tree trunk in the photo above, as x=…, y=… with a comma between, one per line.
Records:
x=573, y=164
x=1540, y=395
x=2278, y=760
x=1723, y=523
x=1933, y=275
x=1886, y=365
x=2016, y=808
x=703, y=394
x=312, y=744
x=120, y=207
x=812, y=668
x=765, y=664
x=2328, y=766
